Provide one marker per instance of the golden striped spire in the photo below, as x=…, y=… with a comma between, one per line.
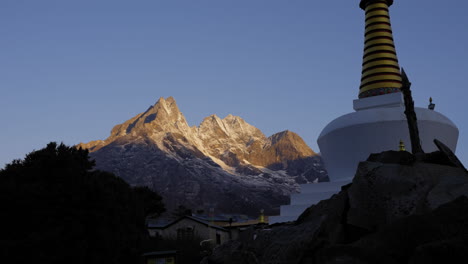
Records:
x=380, y=69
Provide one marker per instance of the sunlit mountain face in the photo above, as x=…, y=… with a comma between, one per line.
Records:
x=226, y=164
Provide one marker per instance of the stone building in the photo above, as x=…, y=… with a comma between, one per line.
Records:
x=188, y=228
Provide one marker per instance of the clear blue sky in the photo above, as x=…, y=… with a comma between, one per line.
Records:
x=71, y=70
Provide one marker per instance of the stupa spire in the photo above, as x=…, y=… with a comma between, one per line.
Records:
x=380, y=69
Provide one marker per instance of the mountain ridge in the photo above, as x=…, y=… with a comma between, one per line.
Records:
x=159, y=143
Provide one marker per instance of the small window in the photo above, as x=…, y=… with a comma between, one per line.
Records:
x=218, y=239
x=185, y=233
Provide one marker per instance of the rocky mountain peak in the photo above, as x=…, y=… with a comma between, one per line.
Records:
x=164, y=109
x=169, y=105
x=212, y=126
x=189, y=165
x=233, y=119
x=170, y=100
x=283, y=135
x=240, y=126
x=232, y=127
x=286, y=146
x=161, y=118
x=291, y=140
x=229, y=141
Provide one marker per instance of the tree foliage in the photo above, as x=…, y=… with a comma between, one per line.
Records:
x=56, y=209
x=181, y=211
x=151, y=201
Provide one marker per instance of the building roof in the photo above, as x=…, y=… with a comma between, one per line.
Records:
x=160, y=253
x=154, y=223
x=248, y=223
x=193, y=218
x=222, y=217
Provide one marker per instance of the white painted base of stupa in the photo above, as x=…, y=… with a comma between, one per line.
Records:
x=309, y=194
x=378, y=124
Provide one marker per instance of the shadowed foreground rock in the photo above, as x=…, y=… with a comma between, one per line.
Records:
x=395, y=211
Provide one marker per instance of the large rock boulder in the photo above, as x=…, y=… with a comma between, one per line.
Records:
x=439, y=236
x=382, y=193
x=396, y=210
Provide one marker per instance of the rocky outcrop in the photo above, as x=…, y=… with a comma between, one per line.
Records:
x=224, y=163
x=414, y=212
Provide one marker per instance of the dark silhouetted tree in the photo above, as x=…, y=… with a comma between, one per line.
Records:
x=56, y=209
x=151, y=201
x=181, y=211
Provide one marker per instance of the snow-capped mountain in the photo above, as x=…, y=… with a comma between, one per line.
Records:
x=226, y=163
